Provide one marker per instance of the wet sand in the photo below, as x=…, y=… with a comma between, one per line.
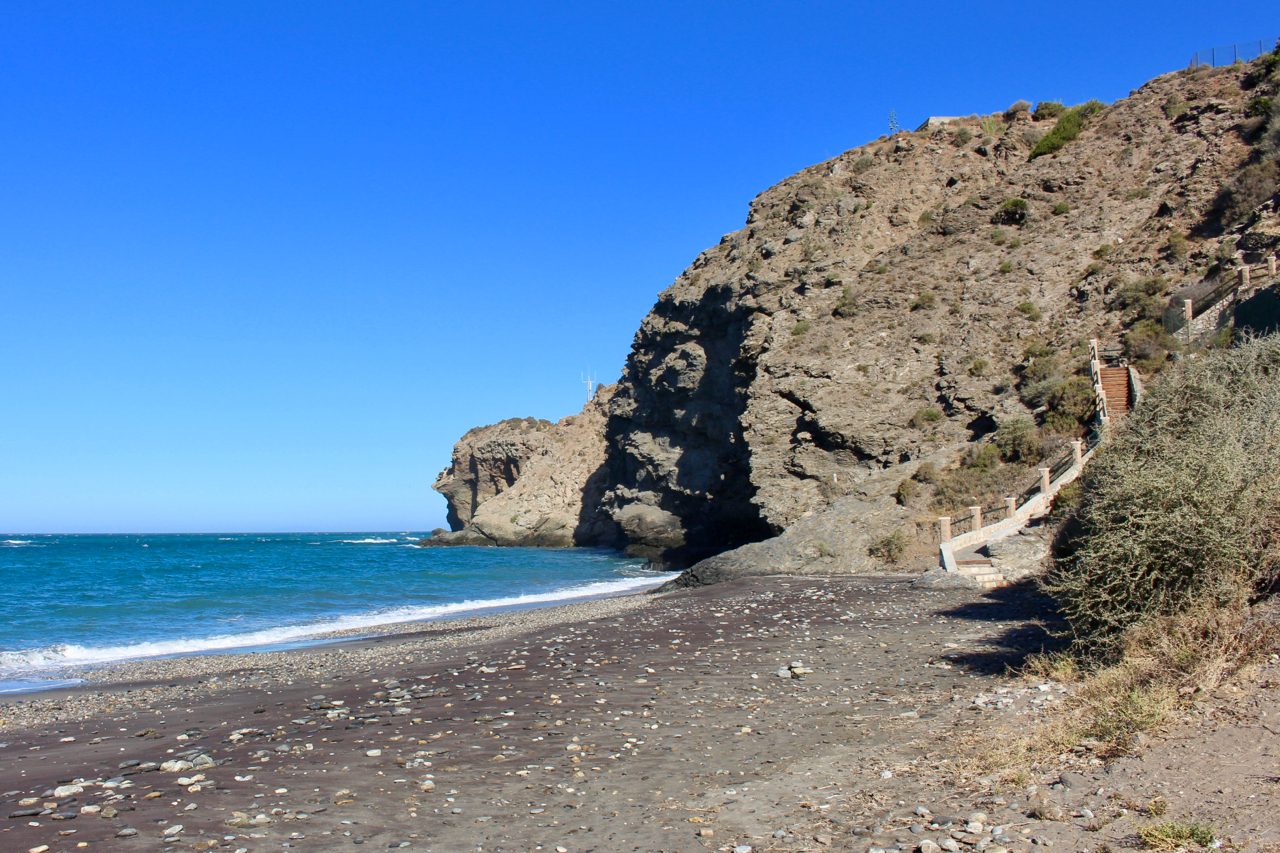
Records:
x=771, y=713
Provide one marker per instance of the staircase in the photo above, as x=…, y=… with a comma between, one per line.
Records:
x=977, y=565
x=1115, y=385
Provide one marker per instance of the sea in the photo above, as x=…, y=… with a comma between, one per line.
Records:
x=71, y=601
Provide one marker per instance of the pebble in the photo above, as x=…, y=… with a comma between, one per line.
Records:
x=928, y=846
x=126, y=833
x=67, y=791
x=373, y=753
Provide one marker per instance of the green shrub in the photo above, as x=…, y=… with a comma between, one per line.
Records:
x=1176, y=245
x=1048, y=109
x=925, y=218
x=1029, y=310
x=978, y=367
x=1139, y=192
x=845, y=306
x=1174, y=835
x=1066, y=130
x=992, y=126
x=800, y=328
x=1180, y=505
x=1102, y=251
x=891, y=548
x=1259, y=106
x=926, y=473
x=1012, y=212
x=1006, y=266
x=1018, y=440
x=907, y=490
x=999, y=236
x=1070, y=405
x=961, y=137
x=862, y=164
x=1174, y=107
x=1253, y=185
x=926, y=300
x=925, y=417
x=1015, y=108
x=1061, y=208
x=980, y=480
x=1149, y=345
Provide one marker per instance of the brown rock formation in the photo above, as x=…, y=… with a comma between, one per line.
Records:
x=895, y=304
x=527, y=481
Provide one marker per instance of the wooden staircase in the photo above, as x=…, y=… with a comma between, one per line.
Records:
x=1115, y=385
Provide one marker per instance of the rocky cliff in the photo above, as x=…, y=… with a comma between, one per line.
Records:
x=898, y=305
x=526, y=481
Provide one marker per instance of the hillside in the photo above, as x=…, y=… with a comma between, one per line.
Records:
x=814, y=390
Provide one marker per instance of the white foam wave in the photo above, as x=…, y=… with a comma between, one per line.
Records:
x=367, y=541
x=17, y=542
x=27, y=661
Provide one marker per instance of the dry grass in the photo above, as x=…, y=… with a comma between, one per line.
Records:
x=1164, y=665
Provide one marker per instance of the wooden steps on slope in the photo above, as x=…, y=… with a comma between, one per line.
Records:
x=1115, y=385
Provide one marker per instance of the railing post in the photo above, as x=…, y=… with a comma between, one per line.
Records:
x=1271, y=266
x=1044, y=481
x=1010, y=507
x=1186, y=310
x=944, y=523
x=977, y=518
x=1077, y=455
x=1244, y=277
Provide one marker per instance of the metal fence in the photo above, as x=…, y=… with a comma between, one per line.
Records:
x=1232, y=53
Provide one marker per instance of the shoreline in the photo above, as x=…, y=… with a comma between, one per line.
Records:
x=69, y=676
x=777, y=713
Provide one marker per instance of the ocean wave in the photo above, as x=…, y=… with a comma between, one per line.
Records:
x=18, y=542
x=28, y=661
x=367, y=541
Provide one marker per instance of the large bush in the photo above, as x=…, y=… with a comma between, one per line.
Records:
x=1180, y=506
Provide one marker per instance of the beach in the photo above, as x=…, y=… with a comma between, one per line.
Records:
x=769, y=713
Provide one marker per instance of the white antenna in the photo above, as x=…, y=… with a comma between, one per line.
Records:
x=590, y=383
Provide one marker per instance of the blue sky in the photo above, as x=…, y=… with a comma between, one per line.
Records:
x=262, y=263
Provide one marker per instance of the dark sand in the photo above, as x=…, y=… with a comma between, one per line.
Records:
x=648, y=723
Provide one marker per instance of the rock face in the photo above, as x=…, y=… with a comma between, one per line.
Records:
x=771, y=402
x=887, y=307
x=529, y=482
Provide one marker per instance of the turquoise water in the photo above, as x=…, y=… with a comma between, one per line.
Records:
x=68, y=601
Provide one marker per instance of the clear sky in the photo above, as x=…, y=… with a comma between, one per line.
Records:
x=262, y=263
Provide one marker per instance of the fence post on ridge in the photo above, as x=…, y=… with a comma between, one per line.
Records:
x=1077, y=455
x=944, y=525
x=1010, y=507
x=1044, y=481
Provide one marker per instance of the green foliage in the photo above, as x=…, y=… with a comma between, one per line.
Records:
x=981, y=479
x=1149, y=345
x=1049, y=109
x=800, y=328
x=961, y=137
x=1066, y=130
x=907, y=490
x=1173, y=835
x=891, y=548
x=1070, y=405
x=1146, y=296
x=993, y=126
x=926, y=473
x=1174, y=107
x=1006, y=266
x=926, y=300
x=1012, y=212
x=1018, y=440
x=1259, y=106
x=1137, y=193
x=1254, y=184
x=1029, y=310
x=1102, y=251
x=1061, y=208
x=1015, y=108
x=925, y=218
x=978, y=367
x=862, y=164
x=1176, y=245
x=1180, y=506
x=845, y=307
x=925, y=417
x=999, y=236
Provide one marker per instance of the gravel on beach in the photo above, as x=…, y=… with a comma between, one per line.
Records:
x=774, y=713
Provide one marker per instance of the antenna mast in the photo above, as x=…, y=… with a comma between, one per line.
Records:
x=590, y=383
